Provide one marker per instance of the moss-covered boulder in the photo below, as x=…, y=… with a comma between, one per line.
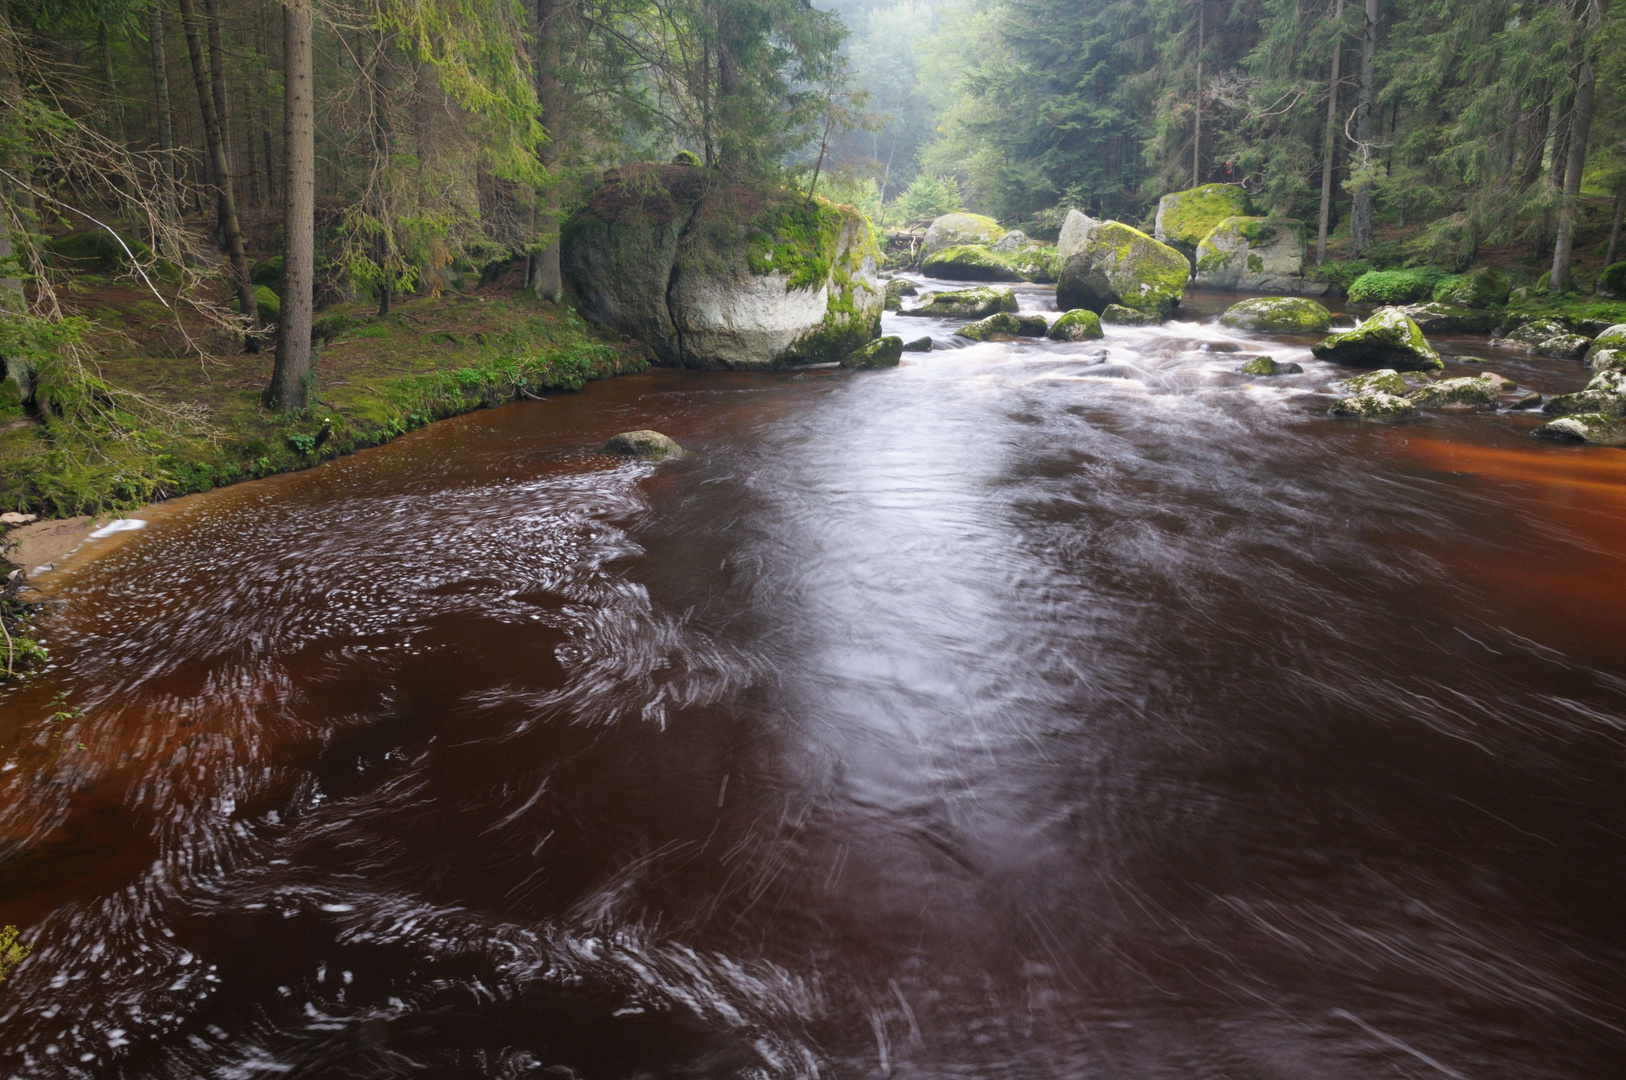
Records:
x=1613, y=337
x=1278, y=315
x=1122, y=265
x=1269, y=365
x=1079, y=324
x=1437, y=317
x=1011, y=242
x=1387, y=381
x=714, y=274
x=969, y=262
x=1388, y=338
x=97, y=250
x=967, y=303
x=1395, y=287
x=644, y=443
x=1606, y=394
x=1034, y=263
x=1546, y=337
x=1607, y=360
x=1255, y=254
x=1476, y=290
x=1032, y=325
x=1077, y=230
x=920, y=344
x=1118, y=315
x=1374, y=405
x=1611, y=283
x=955, y=230
x=267, y=304
x=1184, y=218
x=880, y=353
x=1598, y=429
x=902, y=287
x=1466, y=393
x=1001, y=327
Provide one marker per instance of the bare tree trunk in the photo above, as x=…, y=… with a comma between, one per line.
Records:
x=546, y=279
x=1197, y=127
x=217, y=74
x=1580, y=128
x=227, y=201
x=1614, y=228
x=1329, y=141
x=166, y=116
x=292, y=376
x=1563, y=120
x=1360, y=218
x=1535, y=144
x=114, y=107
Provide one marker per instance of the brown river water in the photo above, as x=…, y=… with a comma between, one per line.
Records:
x=1009, y=714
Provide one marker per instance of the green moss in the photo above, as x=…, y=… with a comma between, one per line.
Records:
x=880, y=353
x=1395, y=286
x=268, y=273
x=1079, y=324
x=1279, y=315
x=993, y=328
x=969, y=262
x=798, y=238
x=96, y=249
x=1389, y=337
x=1117, y=314
x=1185, y=217
x=970, y=303
x=1468, y=393
x=1256, y=265
x=1478, y=289
x=1374, y=405
x=1269, y=365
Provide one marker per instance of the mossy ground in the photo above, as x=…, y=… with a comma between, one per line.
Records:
x=431, y=358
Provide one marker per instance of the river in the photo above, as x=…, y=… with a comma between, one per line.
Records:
x=1015, y=713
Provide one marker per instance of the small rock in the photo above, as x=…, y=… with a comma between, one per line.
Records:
x=975, y=303
x=1529, y=401
x=1388, y=381
x=1466, y=393
x=1079, y=324
x=1032, y=326
x=1269, y=365
x=880, y=353
x=902, y=287
x=644, y=443
x=1118, y=315
x=14, y=518
x=1374, y=405
x=1593, y=428
x=994, y=327
x=923, y=344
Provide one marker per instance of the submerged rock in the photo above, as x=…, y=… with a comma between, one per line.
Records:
x=1079, y=324
x=993, y=328
x=1257, y=255
x=880, y=353
x=968, y=262
x=953, y=230
x=922, y=344
x=1374, y=405
x=1118, y=315
x=1388, y=337
x=967, y=303
x=1528, y=401
x=644, y=443
x=1122, y=265
x=1269, y=365
x=1594, y=428
x=1279, y=315
x=1466, y=393
x=1441, y=318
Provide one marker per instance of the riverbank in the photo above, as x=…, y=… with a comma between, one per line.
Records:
x=163, y=417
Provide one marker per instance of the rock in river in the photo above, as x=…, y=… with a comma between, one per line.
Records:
x=1435, y=317
x=1122, y=265
x=1184, y=218
x=1279, y=315
x=1118, y=315
x=644, y=443
x=952, y=230
x=1546, y=337
x=1594, y=428
x=1374, y=405
x=1002, y=325
x=968, y=262
x=1388, y=381
x=1269, y=365
x=1255, y=254
x=880, y=353
x=1079, y=324
x=920, y=344
x=967, y=303
x=1388, y=337
x=1475, y=392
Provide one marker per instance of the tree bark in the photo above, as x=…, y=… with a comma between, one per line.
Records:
x=166, y=116
x=546, y=279
x=217, y=74
x=1197, y=127
x=1535, y=144
x=114, y=108
x=1360, y=218
x=292, y=376
x=1614, y=228
x=226, y=200
x=1329, y=141
x=1580, y=128
x=1563, y=121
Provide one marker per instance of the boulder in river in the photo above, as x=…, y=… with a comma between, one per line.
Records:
x=902, y=286
x=1255, y=254
x=1476, y=290
x=880, y=353
x=644, y=443
x=1546, y=337
x=1077, y=230
x=1473, y=392
x=968, y=262
x=920, y=344
x=1122, y=265
x=967, y=303
x=1011, y=242
x=670, y=255
x=1388, y=337
x=1278, y=315
x=1606, y=394
x=1597, y=429
x=1436, y=317
x=1079, y=324
x=1613, y=337
x=1185, y=217
x=1374, y=405
x=1269, y=365
x=1118, y=315
x=1001, y=326
x=953, y=230
x=1607, y=360
x=1387, y=380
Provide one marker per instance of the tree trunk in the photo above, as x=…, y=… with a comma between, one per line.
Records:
x=1197, y=127
x=1614, y=228
x=166, y=117
x=292, y=376
x=1329, y=140
x=1360, y=218
x=1563, y=120
x=1580, y=128
x=546, y=280
x=217, y=74
x=1535, y=144
x=114, y=109
x=227, y=202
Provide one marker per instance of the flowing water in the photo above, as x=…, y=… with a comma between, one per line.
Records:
x=1019, y=712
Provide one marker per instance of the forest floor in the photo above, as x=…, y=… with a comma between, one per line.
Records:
x=171, y=407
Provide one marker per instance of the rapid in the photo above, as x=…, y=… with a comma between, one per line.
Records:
x=1020, y=712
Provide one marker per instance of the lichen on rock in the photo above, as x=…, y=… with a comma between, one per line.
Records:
x=1388, y=337
x=1547, y=337
x=1122, y=265
x=1269, y=365
x=1077, y=230
x=1118, y=315
x=1278, y=315
x=1387, y=380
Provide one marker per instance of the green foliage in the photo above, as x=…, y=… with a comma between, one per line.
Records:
x=1395, y=286
x=926, y=198
x=12, y=952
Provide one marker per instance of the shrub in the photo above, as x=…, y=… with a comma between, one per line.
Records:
x=927, y=197
x=1395, y=286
